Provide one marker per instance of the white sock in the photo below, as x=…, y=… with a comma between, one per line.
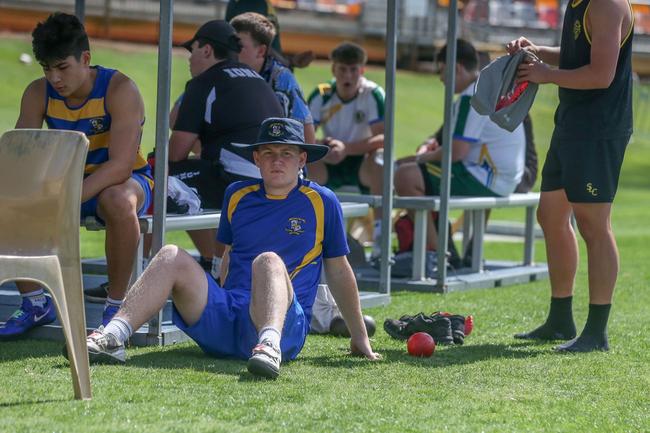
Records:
x=216, y=267
x=271, y=334
x=110, y=302
x=120, y=328
x=37, y=298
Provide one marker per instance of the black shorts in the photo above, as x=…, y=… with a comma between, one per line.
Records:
x=588, y=170
x=209, y=179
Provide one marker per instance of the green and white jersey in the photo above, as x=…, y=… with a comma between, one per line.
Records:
x=496, y=156
x=349, y=120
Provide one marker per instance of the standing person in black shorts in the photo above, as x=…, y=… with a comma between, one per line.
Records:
x=224, y=102
x=593, y=124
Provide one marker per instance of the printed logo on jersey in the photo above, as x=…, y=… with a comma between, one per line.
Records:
x=359, y=116
x=295, y=226
x=97, y=125
x=242, y=73
x=276, y=129
x=577, y=28
x=575, y=3
x=591, y=190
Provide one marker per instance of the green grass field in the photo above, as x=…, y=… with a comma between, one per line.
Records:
x=491, y=384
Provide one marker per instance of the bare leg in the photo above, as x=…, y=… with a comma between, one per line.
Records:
x=271, y=293
x=172, y=271
x=317, y=172
x=206, y=242
x=371, y=176
x=602, y=254
x=554, y=215
x=117, y=206
x=409, y=183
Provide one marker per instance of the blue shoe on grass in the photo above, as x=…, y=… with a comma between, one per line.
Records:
x=26, y=318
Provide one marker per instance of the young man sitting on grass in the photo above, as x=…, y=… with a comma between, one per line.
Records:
x=262, y=309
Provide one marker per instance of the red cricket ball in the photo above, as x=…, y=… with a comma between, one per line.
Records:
x=469, y=325
x=421, y=344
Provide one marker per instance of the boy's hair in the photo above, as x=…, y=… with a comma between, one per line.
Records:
x=258, y=26
x=349, y=53
x=219, y=51
x=466, y=55
x=59, y=36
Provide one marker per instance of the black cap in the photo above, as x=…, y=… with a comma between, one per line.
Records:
x=218, y=32
x=276, y=130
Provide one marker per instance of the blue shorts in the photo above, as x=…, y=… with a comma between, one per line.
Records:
x=225, y=328
x=89, y=207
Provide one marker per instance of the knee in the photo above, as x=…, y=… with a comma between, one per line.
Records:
x=550, y=220
x=267, y=262
x=408, y=180
x=116, y=203
x=592, y=228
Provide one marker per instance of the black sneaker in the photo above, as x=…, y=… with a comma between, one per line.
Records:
x=457, y=326
x=437, y=326
x=396, y=328
x=97, y=294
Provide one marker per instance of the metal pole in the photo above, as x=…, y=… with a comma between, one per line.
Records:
x=80, y=10
x=389, y=123
x=450, y=83
x=162, y=137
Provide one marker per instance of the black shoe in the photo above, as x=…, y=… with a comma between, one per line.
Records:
x=457, y=326
x=97, y=294
x=396, y=328
x=584, y=343
x=546, y=332
x=437, y=326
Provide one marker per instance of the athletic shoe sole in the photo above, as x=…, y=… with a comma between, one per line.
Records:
x=103, y=358
x=258, y=367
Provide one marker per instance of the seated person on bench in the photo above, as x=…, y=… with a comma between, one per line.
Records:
x=224, y=102
x=256, y=33
x=105, y=105
x=486, y=159
x=350, y=111
x=261, y=311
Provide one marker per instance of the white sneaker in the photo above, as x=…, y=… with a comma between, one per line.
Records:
x=265, y=360
x=104, y=348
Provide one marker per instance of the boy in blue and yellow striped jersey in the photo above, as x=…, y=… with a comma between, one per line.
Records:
x=105, y=105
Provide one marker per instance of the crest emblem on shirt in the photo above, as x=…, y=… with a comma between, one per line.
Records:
x=359, y=116
x=97, y=125
x=276, y=130
x=295, y=226
x=577, y=28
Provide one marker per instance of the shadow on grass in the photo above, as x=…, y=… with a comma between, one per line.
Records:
x=30, y=402
x=182, y=358
x=28, y=348
x=443, y=356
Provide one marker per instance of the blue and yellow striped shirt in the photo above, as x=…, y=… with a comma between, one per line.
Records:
x=92, y=119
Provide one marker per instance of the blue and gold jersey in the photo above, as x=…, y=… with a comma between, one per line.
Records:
x=301, y=227
x=92, y=119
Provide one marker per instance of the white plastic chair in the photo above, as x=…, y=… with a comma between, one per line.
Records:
x=41, y=172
